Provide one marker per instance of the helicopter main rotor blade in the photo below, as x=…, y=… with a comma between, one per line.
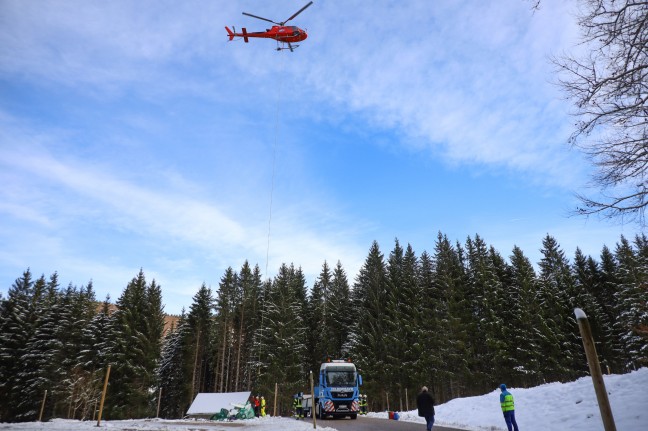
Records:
x=297, y=13
x=259, y=17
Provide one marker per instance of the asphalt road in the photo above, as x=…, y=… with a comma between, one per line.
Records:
x=373, y=424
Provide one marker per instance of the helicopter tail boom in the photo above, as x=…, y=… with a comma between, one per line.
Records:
x=230, y=33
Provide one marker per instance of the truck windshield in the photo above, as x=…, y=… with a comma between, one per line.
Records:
x=341, y=378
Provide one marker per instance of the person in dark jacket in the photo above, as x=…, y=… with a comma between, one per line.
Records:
x=425, y=404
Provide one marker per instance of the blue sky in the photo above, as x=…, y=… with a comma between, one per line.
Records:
x=134, y=135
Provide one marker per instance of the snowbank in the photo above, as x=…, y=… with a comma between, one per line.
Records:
x=553, y=406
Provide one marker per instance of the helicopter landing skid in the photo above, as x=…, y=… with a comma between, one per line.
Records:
x=282, y=45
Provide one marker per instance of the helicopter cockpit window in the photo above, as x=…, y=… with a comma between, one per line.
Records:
x=295, y=30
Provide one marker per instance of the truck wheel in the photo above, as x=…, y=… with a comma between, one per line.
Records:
x=354, y=416
x=318, y=412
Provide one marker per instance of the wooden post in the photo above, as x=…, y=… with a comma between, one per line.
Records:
x=313, y=400
x=103, y=396
x=157, y=415
x=274, y=410
x=94, y=412
x=387, y=394
x=595, y=370
x=40, y=416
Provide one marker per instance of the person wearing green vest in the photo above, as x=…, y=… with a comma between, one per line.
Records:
x=298, y=406
x=508, y=408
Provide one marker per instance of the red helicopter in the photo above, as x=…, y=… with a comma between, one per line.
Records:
x=284, y=35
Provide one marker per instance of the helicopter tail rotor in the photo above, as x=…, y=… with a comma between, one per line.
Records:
x=230, y=33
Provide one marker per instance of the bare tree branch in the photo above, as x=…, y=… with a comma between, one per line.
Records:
x=609, y=88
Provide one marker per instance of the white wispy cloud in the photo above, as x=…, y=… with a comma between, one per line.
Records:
x=179, y=233
x=470, y=79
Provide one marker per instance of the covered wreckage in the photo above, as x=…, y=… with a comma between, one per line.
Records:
x=221, y=406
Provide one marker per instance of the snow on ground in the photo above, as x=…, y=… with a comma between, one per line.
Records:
x=256, y=424
x=554, y=406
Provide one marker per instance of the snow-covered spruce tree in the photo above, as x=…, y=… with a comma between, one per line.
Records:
x=525, y=343
x=503, y=296
x=153, y=332
x=227, y=300
x=202, y=346
x=564, y=357
x=452, y=314
x=16, y=329
x=29, y=378
x=133, y=352
x=262, y=336
x=641, y=328
x=341, y=316
x=587, y=277
x=246, y=320
x=631, y=302
x=368, y=342
x=175, y=370
x=93, y=352
x=404, y=342
x=283, y=347
x=429, y=343
x=319, y=342
x=54, y=351
x=605, y=295
x=394, y=344
x=486, y=305
x=77, y=308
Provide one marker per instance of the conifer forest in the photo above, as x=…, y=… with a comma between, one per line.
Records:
x=461, y=319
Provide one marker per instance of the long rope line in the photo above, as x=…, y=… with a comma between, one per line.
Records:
x=274, y=159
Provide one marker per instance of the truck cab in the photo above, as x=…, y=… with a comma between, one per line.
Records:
x=338, y=389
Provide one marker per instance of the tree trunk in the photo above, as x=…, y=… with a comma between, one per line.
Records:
x=238, y=356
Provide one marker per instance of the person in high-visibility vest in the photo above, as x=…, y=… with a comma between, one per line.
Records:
x=295, y=402
x=364, y=404
x=300, y=408
x=508, y=408
x=263, y=406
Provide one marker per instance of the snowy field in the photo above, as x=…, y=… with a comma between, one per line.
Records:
x=554, y=406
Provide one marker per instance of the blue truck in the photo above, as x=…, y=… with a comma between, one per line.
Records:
x=338, y=389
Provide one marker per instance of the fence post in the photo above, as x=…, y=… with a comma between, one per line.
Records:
x=40, y=416
x=103, y=396
x=595, y=370
x=274, y=409
x=158, y=406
